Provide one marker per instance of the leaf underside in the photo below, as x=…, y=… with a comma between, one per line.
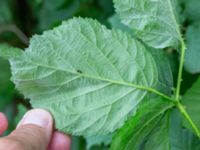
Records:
x=153, y=21
x=86, y=75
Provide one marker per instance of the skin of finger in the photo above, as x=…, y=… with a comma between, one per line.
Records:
x=3, y=123
x=60, y=141
x=27, y=137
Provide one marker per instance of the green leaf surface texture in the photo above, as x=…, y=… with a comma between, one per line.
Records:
x=158, y=128
x=165, y=75
x=191, y=101
x=192, y=63
x=153, y=21
x=148, y=130
x=90, y=78
x=8, y=52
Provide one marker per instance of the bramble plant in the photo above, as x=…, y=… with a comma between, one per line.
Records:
x=115, y=84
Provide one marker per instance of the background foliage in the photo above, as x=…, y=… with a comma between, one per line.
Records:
x=20, y=19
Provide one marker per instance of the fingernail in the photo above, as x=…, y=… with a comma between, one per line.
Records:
x=37, y=117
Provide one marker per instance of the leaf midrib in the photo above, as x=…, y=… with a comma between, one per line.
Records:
x=141, y=87
x=174, y=19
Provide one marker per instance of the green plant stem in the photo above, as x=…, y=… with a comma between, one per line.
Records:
x=180, y=71
x=177, y=94
x=187, y=117
x=159, y=93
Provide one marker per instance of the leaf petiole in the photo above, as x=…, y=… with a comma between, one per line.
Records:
x=188, y=118
x=180, y=72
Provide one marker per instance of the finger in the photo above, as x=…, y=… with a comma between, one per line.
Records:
x=60, y=141
x=33, y=132
x=3, y=123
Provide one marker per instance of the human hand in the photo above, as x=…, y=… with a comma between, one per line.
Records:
x=34, y=132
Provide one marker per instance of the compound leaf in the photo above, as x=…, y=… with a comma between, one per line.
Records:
x=153, y=21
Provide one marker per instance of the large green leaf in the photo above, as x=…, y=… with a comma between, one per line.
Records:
x=192, y=63
x=165, y=76
x=90, y=78
x=157, y=128
x=153, y=21
x=191, y=100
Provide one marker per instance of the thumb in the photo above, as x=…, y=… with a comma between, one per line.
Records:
x=33, y=132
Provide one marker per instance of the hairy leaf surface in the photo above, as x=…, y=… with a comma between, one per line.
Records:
x=90, y=78
x=153, y=21
x=165, y=76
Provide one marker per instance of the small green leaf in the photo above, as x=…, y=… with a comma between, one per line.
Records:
x=191, y=100
x=192, y=63
x=153, y=21
x=90, y=78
